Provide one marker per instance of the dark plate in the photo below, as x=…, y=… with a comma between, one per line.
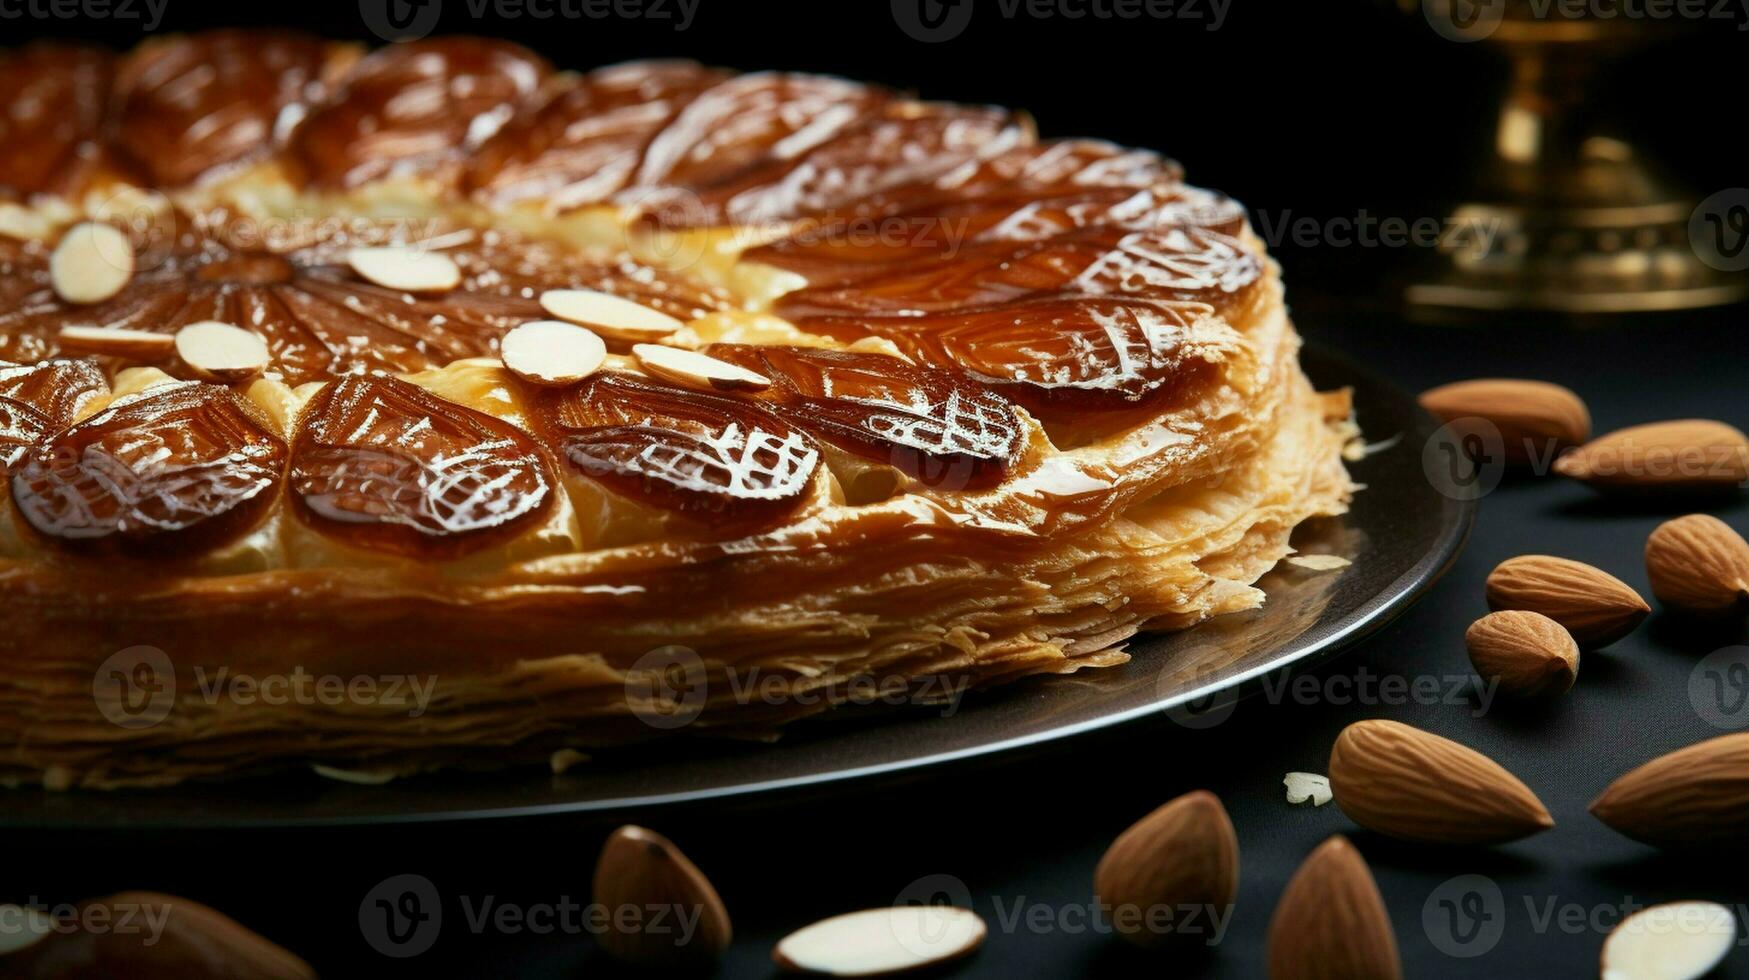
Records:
x=1401, y=535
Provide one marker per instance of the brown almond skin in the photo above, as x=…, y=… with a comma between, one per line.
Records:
x=1691, y=798
x=1679, y=456
x=640, y=869
x=1593, y=605
x=1698, y=564
x=1184, y=853
x=1413, y=785
x=1535, y=419
x=197, y=943
x=1529, y=654
x=1331, y=922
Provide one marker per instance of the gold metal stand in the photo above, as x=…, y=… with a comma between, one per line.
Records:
x=1565, y=218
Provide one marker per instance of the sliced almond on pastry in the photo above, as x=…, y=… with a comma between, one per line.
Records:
x=220, y=351
x=609, y=314
x=117, y=341
x=91, y=264
x=549, y=352
x=695, y=370
x=410, y=269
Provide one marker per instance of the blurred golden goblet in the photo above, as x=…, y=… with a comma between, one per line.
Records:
x=1565, y=217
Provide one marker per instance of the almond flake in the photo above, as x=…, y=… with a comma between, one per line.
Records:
x=695, y=370
x=1679, y=941
x=410, y=269
x=139, y=344
x=550, y=352
x=1319, y=563
x=91, y=264
x=609, y=314
x=1303, y=786
x=882, y=942
x=220, y=351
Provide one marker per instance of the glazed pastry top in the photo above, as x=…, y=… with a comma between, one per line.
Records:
x=955, y=294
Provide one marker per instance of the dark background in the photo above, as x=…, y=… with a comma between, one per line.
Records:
x=1318, y=109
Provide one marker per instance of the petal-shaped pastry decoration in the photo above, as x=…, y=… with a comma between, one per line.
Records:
x=931, y=424
x=320, y=318
x=1060, y=356
x=1182, y=264
x=57, y=388
x=52, y=99
x=188, y=104
x=416, y=109
x=584, y=143
x=728, y=462
x=38, y=400
x=746, y=123
x=386, y=465
x=176, y=469
x=996, y=204
x=906, y=143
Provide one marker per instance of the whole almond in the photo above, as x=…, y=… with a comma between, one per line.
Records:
x=1529, y=654
x=1692, y=797
x=1406, y=783
x=1684, y=455
x=1184, y=854
x=1331, y=923
x=1593, y=605
x=1535, y=419
x=640, y=875
x=1698, y=564
x=147, y=934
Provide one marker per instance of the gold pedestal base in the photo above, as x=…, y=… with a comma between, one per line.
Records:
x=1567, y=219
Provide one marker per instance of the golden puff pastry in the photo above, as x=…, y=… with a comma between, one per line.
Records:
x=887, y=393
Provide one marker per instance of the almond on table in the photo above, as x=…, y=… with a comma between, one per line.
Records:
x=1410, y=784
x=1535, y=419
x=1183, y=854
x=1331, y=921
x=641, y=869
x=1698, y=564
x=1694, y=797
x=1529, y=654
x=1678, y=457
x=1593, y=605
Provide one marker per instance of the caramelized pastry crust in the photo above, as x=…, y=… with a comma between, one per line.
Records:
x=957, y=405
